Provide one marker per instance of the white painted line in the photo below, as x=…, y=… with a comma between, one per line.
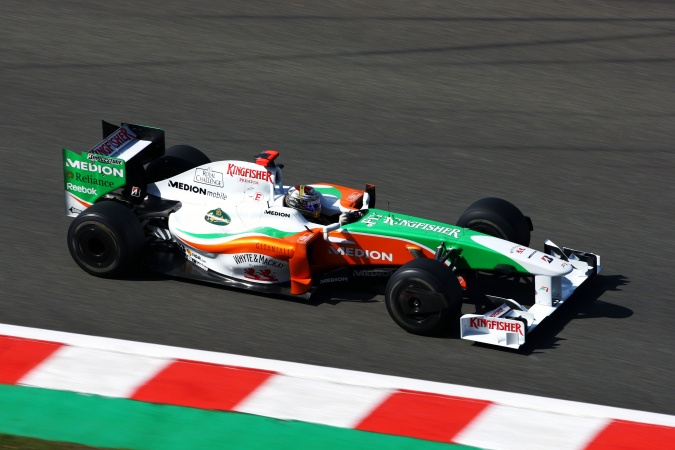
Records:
x=314, y=401
x=92, y=371
x=343, y=376
x=508, y=428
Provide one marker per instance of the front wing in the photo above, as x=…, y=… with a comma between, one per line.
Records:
x=509, y=324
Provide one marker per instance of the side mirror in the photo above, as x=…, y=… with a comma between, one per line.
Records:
x=328, y=228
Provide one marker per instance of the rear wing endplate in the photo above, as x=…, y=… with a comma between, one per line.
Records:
x=129, y=141
x=114, y=163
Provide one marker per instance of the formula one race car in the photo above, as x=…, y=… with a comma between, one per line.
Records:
x=137, y=205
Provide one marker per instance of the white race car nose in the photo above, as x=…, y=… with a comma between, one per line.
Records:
x=534, y=261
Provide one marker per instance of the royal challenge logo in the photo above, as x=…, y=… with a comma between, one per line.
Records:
x=209, y=176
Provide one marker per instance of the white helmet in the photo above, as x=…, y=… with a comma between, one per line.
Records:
x=305, y=199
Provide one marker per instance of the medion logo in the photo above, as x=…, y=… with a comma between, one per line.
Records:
x=361, y=253
x=277, y=213
x=370, y=273
x=334, y=280
x=187, y=187
x=91, y=167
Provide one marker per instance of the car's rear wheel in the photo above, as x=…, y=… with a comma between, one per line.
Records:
x=176, y=160
x=423, y=296
x=106, y=239
x=499, y=218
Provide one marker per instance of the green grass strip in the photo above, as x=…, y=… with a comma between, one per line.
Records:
x=122, y=423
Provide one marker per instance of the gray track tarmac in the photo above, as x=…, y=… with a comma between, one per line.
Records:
x=565, y=108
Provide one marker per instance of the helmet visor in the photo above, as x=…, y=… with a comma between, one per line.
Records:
x=310, y=207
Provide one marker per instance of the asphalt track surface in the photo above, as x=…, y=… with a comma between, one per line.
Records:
x=564, y=108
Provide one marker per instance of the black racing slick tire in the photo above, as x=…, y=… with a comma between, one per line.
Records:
x=176, y=160
x=498, y=218
x=423, y=297
x=106, y=240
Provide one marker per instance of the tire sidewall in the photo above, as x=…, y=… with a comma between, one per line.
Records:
x=106, y=239
x=89, y=234
x=435, y=277
x=499, y=218
x=488, y=222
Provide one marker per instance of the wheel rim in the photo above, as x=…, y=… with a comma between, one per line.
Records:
x=411, y=302
x=411, y=297
x=95, y=247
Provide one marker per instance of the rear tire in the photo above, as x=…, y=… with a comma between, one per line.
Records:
x=176, y=160
x=106, y=240
x=498, y=218
x=423, y=297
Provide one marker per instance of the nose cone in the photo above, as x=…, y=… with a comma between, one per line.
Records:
x=532, y=260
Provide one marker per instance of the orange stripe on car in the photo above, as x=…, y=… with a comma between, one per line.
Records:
x=275, y=248
x=363, y=249
x=349, y=197
x=81, y=202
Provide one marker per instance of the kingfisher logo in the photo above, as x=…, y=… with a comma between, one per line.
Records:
x=449, y=231
x=234, y=170
x=497, y=325
x=113, y=143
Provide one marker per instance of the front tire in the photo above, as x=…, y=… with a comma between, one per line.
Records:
x=423, y=297
x=106, y=240
x=499, y=218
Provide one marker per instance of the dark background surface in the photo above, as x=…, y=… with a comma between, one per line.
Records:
x=564, y=108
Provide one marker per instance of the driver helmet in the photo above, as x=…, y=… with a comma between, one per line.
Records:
x=305, y=199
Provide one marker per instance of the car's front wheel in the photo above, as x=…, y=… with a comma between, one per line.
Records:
x=423, y=297
x=106, y=239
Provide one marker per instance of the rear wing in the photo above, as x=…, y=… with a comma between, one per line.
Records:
x=115, y=163
x=129, y=141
